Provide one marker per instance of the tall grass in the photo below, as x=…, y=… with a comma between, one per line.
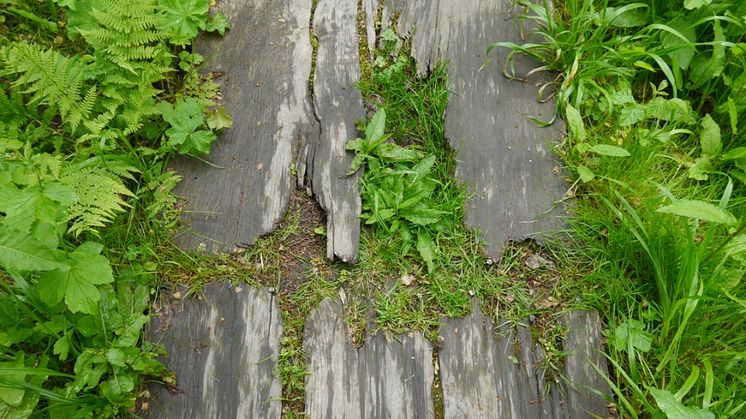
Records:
x=652, y=92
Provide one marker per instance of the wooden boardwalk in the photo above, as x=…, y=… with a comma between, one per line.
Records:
x=225, y=346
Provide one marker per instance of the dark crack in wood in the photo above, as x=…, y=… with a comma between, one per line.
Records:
x=338, y=105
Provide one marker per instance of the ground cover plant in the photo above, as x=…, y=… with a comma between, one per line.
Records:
x=95, y=97
x=653, y=96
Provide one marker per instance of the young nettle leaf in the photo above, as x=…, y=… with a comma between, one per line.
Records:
x=77, y=284
x=219, y=119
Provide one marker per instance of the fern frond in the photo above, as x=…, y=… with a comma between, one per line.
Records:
x=100, y=198
x=51, y=79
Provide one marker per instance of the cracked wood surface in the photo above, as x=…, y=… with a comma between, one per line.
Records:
x=338, y=105
x=224, y=349
x=382, y=379
x=502, y=156
x=495, y=372
x=265, y=63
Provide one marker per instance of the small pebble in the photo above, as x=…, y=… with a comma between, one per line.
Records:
x=271, y=290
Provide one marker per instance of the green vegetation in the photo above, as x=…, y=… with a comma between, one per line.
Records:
x=91, y=110
x=653, y=95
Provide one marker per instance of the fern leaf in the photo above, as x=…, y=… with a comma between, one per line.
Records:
x=100, y=198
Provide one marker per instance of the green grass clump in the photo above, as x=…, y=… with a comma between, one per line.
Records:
x=652, y=93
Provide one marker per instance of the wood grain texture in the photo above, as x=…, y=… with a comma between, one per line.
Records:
x=338, y=105
x=502, y=156
x=585, y=355
x=382, y=379
x=224, y=350
x=265, y=60
x=495, y=372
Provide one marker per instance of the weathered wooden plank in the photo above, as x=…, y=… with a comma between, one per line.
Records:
x=502, y=156
x=265, y=60
x=224, y=349
x=338, y=104
x=382, y=379
x=490, y=372
x=584, y=349
x=370, y=7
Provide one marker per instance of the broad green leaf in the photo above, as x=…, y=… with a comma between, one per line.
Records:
x=632, y=334
x=627, y=18
x=695, y=4
x=699, y=210
x=710, y=137
x=631, y=114
x=700, y=168
x=198, y=142
x=219, y=119
x=421, y=215
x=357, y=162
x=25, y=253
x=586, y=174
x=609, y=150
x=77, y=285
x=733, y=115
x=376, y=126
x=682, y=50
x=622, y=96
x=673, y=408
x=62, y=347
x=423, y=166
x=217, y=23
x=737, y=153
x=575, y=122
x=394, y=152
x=42, y=203
x=184, y=18
x=11, y=393
x=427, y=249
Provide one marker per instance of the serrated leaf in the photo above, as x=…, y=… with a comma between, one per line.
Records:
x=622, y=96
x=699, y=210
x=632, y=334
x=219, y=119
x=695, y=4
x=710, y=137
x=184, y=18
x=77, y=285
x=673, y=409
x=217, y=23
x=575, y=122
x=42, y=203
x=398, y=153
x=610, y=150
x=62, y=347
x=586, y=174
x=25, y=253
x=427, y=249
x=631, y=114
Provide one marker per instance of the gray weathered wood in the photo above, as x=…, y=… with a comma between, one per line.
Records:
x=502, y=156
x=584, y=349
x=338, y=104
x=490, y=373
x=371, y=10
x=382, y=379
x=265, y=60
x=224, y=350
